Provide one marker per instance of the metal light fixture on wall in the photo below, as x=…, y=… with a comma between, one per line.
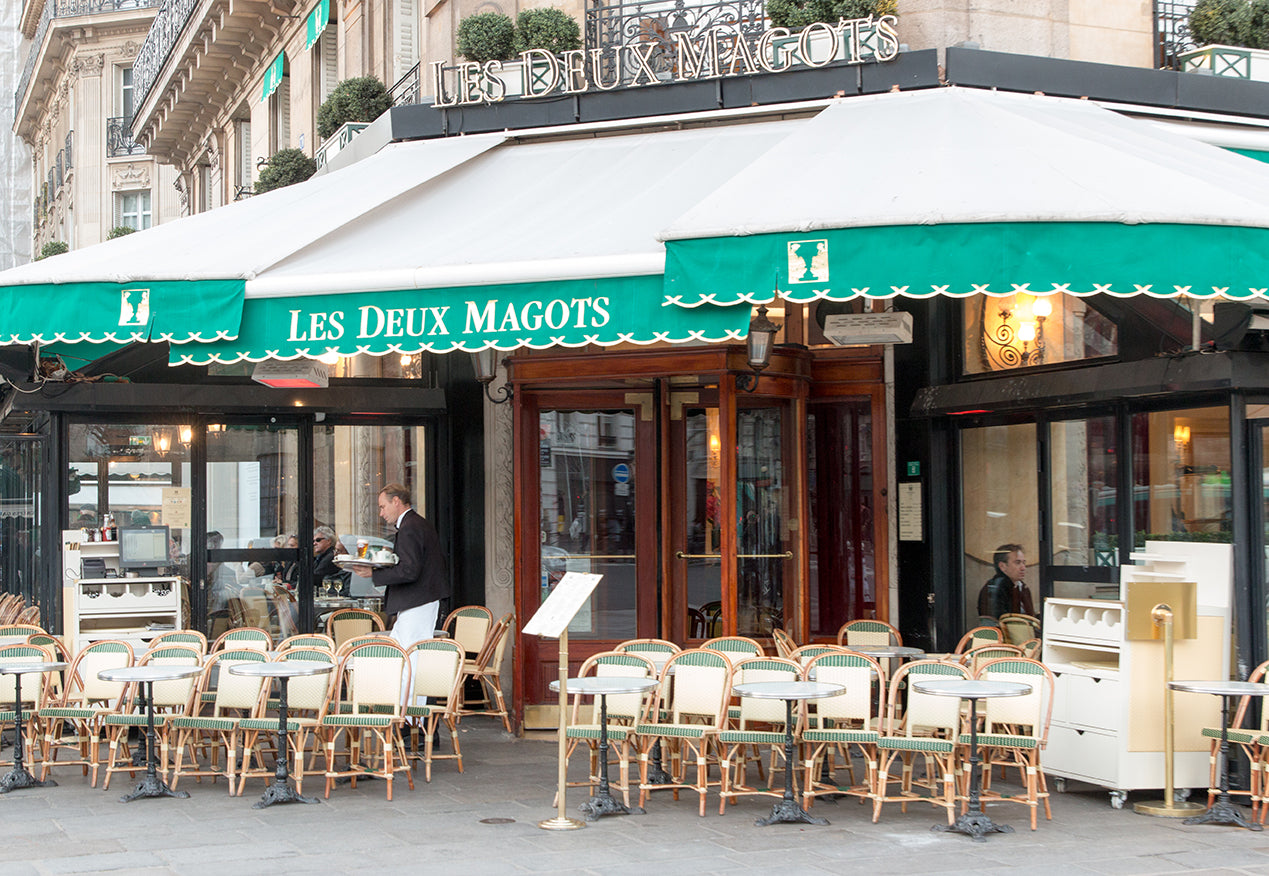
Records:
x=186, y=434
x=1000, y=345
x=162, y=441
x=762, y=332
x=486, y=363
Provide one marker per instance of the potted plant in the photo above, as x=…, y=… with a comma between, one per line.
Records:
x=550, y=29
x=119, y=231
x=285, y=167
x=1233, y=39
x=488, y=36
x=52, y=248
x=797, y=14
x=357, y=100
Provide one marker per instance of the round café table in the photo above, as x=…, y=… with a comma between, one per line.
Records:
x=787, y=810
x=604, y=803
x=147, y=675
x=880, y=652
x=1223, y=811
x=973, y=822
x=19, y=776
x=281, y=790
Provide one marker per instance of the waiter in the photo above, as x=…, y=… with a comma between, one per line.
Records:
x=419, y=581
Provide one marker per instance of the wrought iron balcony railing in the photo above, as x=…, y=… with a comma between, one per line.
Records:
x=636, y=22
x=119, y=140
x=165, y=30
x=1172, y=31
x=67, y=9
x=406, y=90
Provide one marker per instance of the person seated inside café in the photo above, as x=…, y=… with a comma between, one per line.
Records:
x=1006, y=592
x=325, y=547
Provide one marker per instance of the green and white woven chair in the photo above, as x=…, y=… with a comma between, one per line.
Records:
x=735, y=647
x=487, y=670
x=212, y=722
x=1015, y=730
x=690, y=719
x=927, y=728
x=844, y=723
x=654, y=649
x=319, y=641
x=192, y=638
x=756, y=723
x=980, y=637
x=784, y=644
x=350, y=623
x=868, y=634
x=807, y=653
x=75, y=721
x=366, y=714
x=438, y=672
x=469, y=626
x=244, y=639
x=625, y=712
x=171, y=698
x=1250, y=740
x=33, y=694
x=1019, y=628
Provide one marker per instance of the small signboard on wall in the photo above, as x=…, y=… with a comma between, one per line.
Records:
x=910, y=512
x=176, y=508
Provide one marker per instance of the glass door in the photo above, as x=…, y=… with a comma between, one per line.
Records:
x=252, y=482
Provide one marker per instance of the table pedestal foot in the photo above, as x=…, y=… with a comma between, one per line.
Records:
x=20, y=777
x=656, y=770
x=152, y=786
x=282, y=792
x=1223, y=812
x=789, y=812
x=601, y=804
x=975, y=825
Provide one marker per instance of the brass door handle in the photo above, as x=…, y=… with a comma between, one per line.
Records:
x=787, y=555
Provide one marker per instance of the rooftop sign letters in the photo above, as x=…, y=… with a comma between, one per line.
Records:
x=720, y=51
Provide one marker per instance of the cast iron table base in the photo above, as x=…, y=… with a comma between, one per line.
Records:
x=151, y=785
x=19, y=776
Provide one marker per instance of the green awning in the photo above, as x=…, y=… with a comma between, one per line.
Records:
x=569, y=313
x=994, y=258
x=273, y=76
x=176, y=311
x=316, y=23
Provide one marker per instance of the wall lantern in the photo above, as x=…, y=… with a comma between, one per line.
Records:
x=162, y=441
x=762, y=332
x=486, y=363
x=186, y=434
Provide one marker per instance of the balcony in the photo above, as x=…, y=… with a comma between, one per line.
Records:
x=119, y=141
x=198, y=58
x=59, y=11
x=1172, y=32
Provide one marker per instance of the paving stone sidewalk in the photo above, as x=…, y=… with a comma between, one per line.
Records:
x=441, y=827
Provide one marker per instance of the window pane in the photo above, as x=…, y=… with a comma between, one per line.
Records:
x=1016, y=331
x=760, y=515
x=1000, y=502
x=586, y=512
x=19, y=524
x=1181, y=476
x=1082, y=480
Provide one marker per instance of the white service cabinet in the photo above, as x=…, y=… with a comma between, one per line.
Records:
x=135, y=609
x=1108, y=717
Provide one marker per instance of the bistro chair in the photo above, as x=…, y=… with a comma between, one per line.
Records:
x=927, y=726
x=1018, y=628
x=487, y=669
x=978, y=656
x=29, y=615
x=757, y=722
x=368, y=638
x=83, y=705
x=735, y=647
x=34, y=692
x=248, y=638
x=469, y=626
x=1015, y=729
x=654, y=649
x=868, y=634
x=348, y=623
x=842, y=723
x=693, y=717
x=193, y=638
x=1031, y=648
x=625, y=712
x=305, y=697
x=14, y=633
x=807, y=653
x=784, y=644
x=308, y=640
x=978, y=637
x=364, y=711
x=1248, y=738
x=10, y=605
x=438, y=673
x=171, y=698
x=212, y=722
x=285, y=612
x=57, y=653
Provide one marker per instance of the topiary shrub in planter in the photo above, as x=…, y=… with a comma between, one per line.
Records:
x=52, y=248
x=1220, y=22
x=119, y=231
x=286, y=167
x=550, y=29
x=795, y=14
x=361, y=99
x=489, y=36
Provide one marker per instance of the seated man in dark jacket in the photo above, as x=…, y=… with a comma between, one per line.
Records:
x=1006, y=592
x=325, y=547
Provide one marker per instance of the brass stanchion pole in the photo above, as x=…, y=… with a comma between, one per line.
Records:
x=562, y=821
x=1161, y=615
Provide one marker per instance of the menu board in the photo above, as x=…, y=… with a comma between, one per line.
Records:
x=566, y=599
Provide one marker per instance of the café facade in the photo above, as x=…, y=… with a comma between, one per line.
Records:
x=763, y=347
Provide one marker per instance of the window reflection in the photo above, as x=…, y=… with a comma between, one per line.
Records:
x=1181, y=489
